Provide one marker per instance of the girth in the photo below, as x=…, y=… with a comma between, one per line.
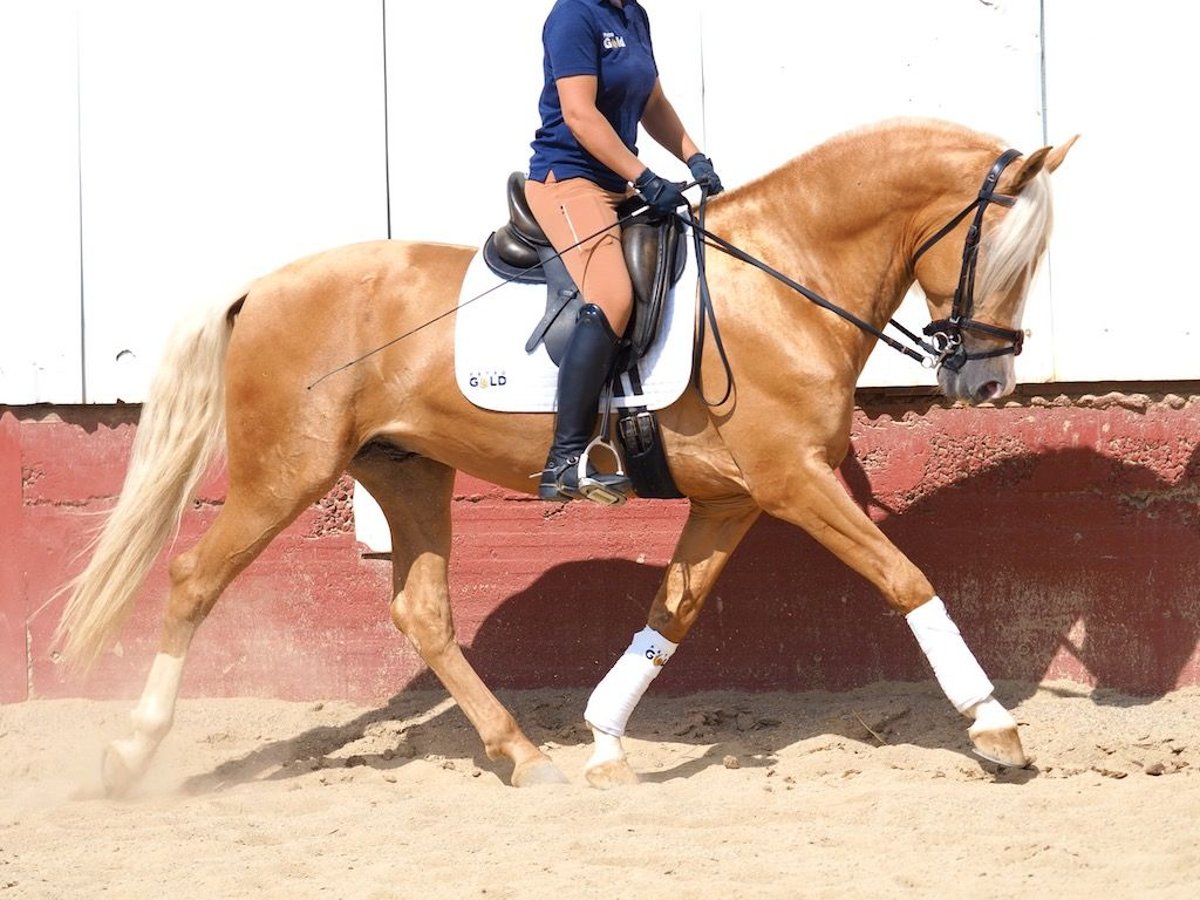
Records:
x=519, y=251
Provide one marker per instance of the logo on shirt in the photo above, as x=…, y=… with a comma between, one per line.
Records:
x=611, y=41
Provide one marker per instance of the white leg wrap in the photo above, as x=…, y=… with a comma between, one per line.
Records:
x=954, y=666
x=614, y=698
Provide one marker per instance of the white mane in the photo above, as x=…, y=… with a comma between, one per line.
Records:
x=1016, y=244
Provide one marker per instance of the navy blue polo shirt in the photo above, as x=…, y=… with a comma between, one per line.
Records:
x=593, y=37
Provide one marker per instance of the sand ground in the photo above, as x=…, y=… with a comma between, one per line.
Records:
x=871, y=792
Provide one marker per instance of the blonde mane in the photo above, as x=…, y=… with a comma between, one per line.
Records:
x=1014, y=246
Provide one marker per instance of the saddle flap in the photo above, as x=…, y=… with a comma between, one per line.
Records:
x=655, y=258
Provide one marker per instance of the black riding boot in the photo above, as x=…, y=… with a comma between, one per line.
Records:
x=582, y=372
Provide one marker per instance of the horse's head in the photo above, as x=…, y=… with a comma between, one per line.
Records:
x=976, y=269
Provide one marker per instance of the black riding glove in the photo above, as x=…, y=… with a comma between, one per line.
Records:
x=704, y=174
x=662, y=196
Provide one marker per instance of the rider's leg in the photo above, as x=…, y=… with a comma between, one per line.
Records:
x=569, y=212
x=576, y=210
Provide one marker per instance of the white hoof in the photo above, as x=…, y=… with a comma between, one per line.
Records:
x=607, y=766
x=995, y=736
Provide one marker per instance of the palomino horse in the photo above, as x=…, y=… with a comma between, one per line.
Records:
x=852, y=220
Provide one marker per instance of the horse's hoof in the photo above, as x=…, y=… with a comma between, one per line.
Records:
x=536, y=772
x=995, y=735
x=118, y=778
x=610, y=774
x=999, y=745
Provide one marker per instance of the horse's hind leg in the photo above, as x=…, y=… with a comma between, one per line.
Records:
x=247, y=522
x=414, y=494
x=709, y=536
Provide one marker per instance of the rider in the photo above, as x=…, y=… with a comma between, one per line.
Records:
x=601, y=81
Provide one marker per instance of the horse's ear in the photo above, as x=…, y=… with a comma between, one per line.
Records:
x=1058, y=154
x=1030, y=166
x=1048, y=158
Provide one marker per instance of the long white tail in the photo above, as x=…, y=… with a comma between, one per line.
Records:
x=181, y=429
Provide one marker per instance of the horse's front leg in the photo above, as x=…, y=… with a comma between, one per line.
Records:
x=814, y=499
x=711, y=533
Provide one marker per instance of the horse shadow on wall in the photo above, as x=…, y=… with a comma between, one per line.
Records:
x=1105, y=587
x=1065, y=564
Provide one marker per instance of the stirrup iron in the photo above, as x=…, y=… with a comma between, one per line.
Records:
x=592, y=487
x=600, y=488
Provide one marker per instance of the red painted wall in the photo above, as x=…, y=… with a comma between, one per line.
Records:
x=13, y=683
x=1062, y=530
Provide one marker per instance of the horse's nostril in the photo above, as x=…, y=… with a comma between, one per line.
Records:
x=989, y=390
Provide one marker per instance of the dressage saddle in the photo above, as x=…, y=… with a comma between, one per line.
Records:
x=519, y=251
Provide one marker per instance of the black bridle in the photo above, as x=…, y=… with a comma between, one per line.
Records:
x=946, y=335
x=945, y=345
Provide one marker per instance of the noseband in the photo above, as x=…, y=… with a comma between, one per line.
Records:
x=946, y=335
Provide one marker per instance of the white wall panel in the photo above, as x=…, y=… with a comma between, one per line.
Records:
x=782, y=77
x=40, y=347
x=219, y=140
x=463, y=109
x=1126, y=305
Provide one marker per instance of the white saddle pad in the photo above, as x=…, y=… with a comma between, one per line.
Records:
x=494, y=371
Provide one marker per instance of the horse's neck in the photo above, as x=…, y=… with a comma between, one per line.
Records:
x=833, y=224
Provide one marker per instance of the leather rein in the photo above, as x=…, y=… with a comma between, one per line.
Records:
x=945, y=346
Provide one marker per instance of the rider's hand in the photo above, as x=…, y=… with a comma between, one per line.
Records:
x=662, y=196
x=704, y=174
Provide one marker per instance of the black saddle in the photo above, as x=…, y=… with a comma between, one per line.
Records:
x=519, y=251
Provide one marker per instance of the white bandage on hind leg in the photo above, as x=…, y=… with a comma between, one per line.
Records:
x=954, y=666
x=613, y=700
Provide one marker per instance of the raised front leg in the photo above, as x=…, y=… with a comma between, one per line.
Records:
x=414, y=495
x=711, y=533
x=813, y=498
